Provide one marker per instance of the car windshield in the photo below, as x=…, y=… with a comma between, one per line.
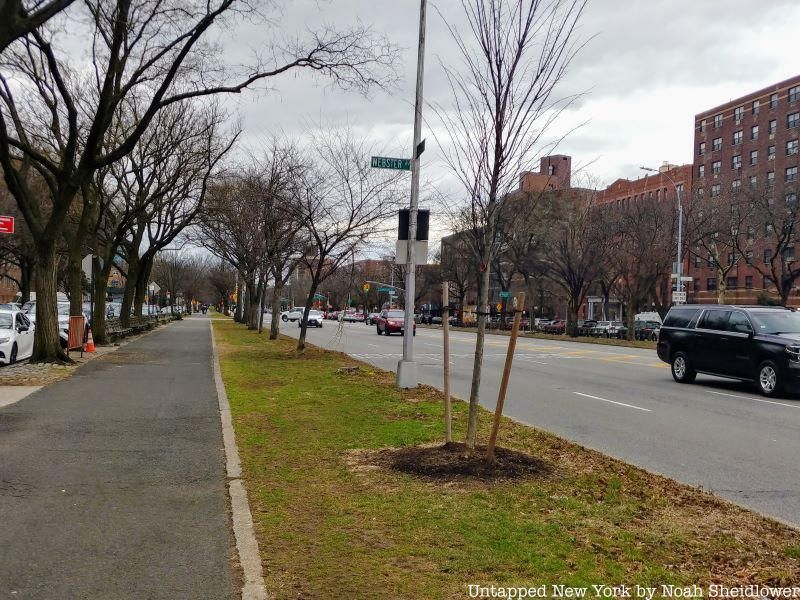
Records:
x=314, y=313
x=777, y=322
x=395, y=314
x=5, y=320
x=603, y=323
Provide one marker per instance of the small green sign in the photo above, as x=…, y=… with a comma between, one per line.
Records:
x=319, y=297
x=386, y=289
x=505, y=294
x=398, y=164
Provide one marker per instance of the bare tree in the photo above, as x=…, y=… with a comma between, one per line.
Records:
x=715, y=225
x=773, y=216
x=577, y=246
x=148, y=53
x=514, y=55
x=346, y=202
x=18, y=18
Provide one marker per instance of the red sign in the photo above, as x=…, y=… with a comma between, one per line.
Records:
x=6, y=224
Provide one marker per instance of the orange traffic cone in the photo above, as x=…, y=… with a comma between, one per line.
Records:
x=90, y=342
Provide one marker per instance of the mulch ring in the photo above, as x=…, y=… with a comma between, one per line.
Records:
x=452, y=463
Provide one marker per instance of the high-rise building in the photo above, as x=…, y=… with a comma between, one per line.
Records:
x=750, y=143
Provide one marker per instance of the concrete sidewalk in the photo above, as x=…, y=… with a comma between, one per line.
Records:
x=112, y=483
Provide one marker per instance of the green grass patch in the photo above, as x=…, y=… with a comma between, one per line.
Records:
x=332, y=521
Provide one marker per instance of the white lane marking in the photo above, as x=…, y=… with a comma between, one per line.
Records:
x=754, y=399
x=612, y=401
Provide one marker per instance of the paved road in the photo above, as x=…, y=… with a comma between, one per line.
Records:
x=717, y=434
x=112, y=483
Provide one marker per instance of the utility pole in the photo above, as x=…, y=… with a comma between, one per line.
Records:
x=407, y=368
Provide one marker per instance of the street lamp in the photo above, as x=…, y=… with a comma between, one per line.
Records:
x=679, y=270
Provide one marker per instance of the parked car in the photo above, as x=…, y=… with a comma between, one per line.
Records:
x=315, y=319
x=558, y=327
x=756, y=344
x=392, y=321
x=63, y=312
x=10, y=306
x=617, y=329
x=16, y=336
x=371, y=318
x=353, y=317
x=293, y=314
x=646, y=330
x=600, y=329
x=585, y=327
x=539, y=323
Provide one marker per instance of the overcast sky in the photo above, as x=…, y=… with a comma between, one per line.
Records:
x=648, y=67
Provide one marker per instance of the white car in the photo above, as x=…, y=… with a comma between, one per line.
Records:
x=63, y=318
x=315, y=318
x=293, y=314
x=16, y=337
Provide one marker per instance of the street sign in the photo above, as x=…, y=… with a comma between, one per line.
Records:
x=679, y=296
x=319, y=297
x=505, y=294
x=384, y=162
x=386, y=289
x=687, y=278
x=6, y=224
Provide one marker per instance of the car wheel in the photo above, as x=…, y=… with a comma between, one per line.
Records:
x=378, y=329
x=682, y=371
x=654, y=337
x=284, y=318
x=13, y=357
x=769, y=379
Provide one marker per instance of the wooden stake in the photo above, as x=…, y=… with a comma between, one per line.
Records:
x=519, y=303
x=446, y=336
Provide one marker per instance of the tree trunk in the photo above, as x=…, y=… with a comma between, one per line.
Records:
x=99, y=314
x=274, y=327
x=477, y=367
x=237, y=315
x=253, y=302
x=301, y=342
x=25, y=276
x=572, y=315
x=47, y=343
x=142, y=278
x=75, y=281
x=130, y=289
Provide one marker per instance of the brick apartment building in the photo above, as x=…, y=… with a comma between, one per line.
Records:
x=657, y=186
x=747, y=143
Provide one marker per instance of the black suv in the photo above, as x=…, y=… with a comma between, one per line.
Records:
x=750, y=343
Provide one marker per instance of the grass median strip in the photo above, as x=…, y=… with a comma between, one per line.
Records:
x=344, y=508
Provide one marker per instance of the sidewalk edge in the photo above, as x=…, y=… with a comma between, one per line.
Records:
x=243, y=530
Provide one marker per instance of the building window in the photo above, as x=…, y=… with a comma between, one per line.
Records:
x=736, y=185
x=748, y=282
x=738, y=113
x=716, y=145
x=701, y=171
x=701, y=149
x=711, y=284
x=751, y=233
x=756, y=106
x=771, y=153
x=773, y=126
x=771, y=179
x=716, y=166
x=748, y=257
x=703, y=126
x=754, y=132
x=733, y=283
x=697, y=261
x=731, y=258
x=791, y=147
x=767, y=257
x=793, y=120
x=773, y=101
x=791, y=199
x=710, y=260
x=794, y=93
x=769, y=229
x=791, y=174
x=753, y=157
x=738, y=137
x=715, y=189
x=788, y=254
x=753, y=182
x=736, y=162
x=696, y=285
x=717, y=121
x=700, y=192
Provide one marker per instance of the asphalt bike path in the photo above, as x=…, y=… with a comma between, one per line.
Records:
x=112, y=482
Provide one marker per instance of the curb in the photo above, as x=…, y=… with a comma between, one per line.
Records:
x=243, y=530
